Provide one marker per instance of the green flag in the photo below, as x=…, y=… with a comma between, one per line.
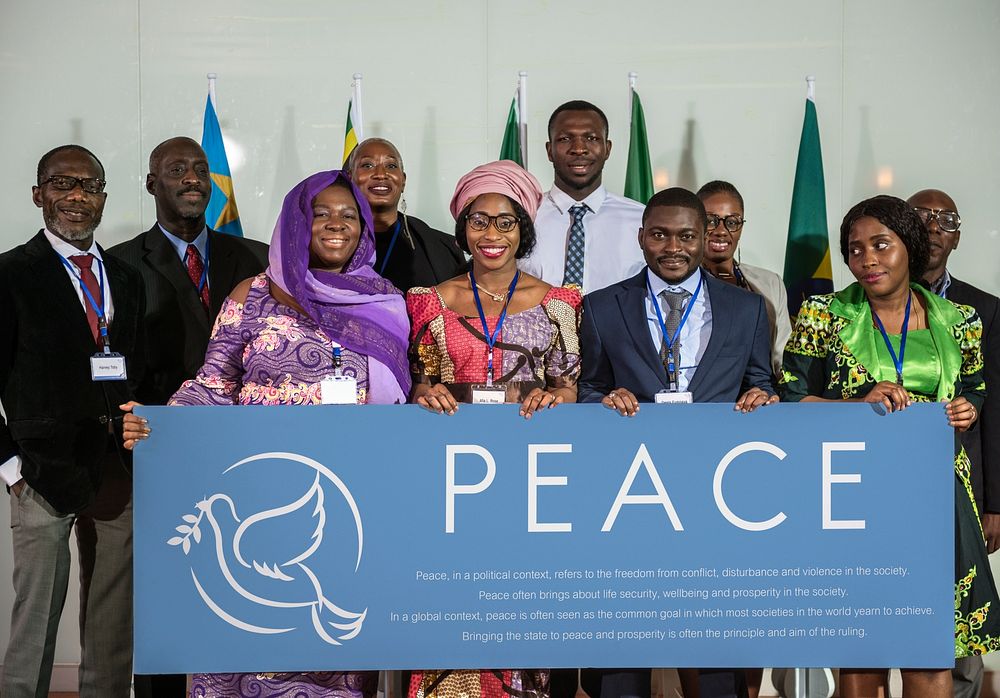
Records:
x=638, y=173
x=510, y=149
x=807, y=252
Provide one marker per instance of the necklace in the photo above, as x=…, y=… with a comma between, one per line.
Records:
x=497, y=297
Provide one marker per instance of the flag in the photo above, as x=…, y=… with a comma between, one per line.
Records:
x=510, y=149
x=352, y=133
x=638, y=172
x=221, y=213
x=807, y=252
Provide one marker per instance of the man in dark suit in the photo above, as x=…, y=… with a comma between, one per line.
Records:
x=702, y=341
x=187, y=268
x=982, y=442
x=70, y=314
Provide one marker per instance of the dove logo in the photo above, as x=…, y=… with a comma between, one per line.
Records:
x=255, y=566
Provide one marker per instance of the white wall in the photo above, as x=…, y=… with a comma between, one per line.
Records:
x=906, y=92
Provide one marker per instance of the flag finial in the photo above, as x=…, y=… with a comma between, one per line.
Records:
x=811, y=87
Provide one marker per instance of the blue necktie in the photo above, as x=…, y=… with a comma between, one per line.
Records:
x=573, y=273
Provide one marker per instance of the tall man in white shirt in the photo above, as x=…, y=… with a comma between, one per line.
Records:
x=586, y=236
x=71, y=318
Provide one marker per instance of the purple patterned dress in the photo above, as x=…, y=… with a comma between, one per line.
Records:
x=265, y=353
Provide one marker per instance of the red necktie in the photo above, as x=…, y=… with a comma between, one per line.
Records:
x=83, y=263
x=195, y=269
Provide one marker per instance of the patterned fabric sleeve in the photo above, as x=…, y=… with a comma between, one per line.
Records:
x=423, y=306
x=803, y=369
x=219, y=380
x=969, y=335
x=562, y=361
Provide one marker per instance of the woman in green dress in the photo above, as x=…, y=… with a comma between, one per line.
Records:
x=846, y=347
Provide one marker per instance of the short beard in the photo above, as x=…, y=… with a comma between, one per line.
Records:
x=52, y=223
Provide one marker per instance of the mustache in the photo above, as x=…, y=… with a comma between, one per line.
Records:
x=670, y=257
x=196, y=189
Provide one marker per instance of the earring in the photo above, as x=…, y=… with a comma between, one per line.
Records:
x=402, y=204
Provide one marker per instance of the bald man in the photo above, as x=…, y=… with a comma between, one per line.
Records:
x=982, y=443
x=187, y=270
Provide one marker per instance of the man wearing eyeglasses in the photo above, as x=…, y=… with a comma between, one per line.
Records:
x=71, y=345
x=982, y=442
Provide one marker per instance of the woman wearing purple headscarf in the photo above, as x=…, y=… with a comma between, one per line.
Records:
x=318, y=326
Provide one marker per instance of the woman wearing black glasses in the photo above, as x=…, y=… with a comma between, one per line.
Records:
x=724, y=206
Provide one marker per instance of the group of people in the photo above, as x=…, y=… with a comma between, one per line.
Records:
x=538, y=299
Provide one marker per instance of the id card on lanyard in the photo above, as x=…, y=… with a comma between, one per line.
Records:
x=491, y=393
x=338, y=389
x=672, y=364
x=105, y=365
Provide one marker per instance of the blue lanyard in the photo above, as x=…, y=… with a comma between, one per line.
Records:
x=896, y=361
x=102, y=324
x=338, y=361
x=491, y=338
x=669, y=341
x=392, y=244
x=204, y=267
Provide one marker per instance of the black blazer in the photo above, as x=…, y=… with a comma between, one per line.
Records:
x=982, y=442
x=618, y=351
x=177, y=326
x=57, y=417
x=434, y=257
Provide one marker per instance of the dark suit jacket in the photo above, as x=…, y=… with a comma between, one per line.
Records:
x=57, y=417
x=982, y=442
x=618, y=351
x=433, y=258
x=177, y=326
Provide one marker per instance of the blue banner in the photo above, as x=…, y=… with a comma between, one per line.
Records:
x=345, y=537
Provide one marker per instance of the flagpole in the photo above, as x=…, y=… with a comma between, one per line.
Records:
x=632, y=78
x=522, y=114
x=211, y=90
x=359, y=128
x=811, y=88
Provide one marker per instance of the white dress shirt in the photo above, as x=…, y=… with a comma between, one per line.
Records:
x=611, y=250
x=10, y=470
x=695, y=332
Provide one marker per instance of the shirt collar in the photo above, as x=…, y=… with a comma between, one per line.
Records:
x=564, y=201
x=689, y=284
x=201, y=242
x=67, y=250
x=940, y=287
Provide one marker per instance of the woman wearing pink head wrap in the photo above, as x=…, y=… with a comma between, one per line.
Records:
x=495, y=334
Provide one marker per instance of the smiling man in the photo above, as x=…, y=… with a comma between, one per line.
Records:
x=586, y=236
x=187, y=268
x=72, y=332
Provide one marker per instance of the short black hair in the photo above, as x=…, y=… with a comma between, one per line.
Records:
x=43, y=164
x=156, y=155
x=899, y=217
x=677, y=196
x=349, y=164
x=578, y=105
x=718, y=186
x=524, y=224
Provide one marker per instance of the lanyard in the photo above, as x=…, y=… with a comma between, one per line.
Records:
x=669, y=341
x=204, y=267
x=338, y=361
x=98, y=307
x=392, y=244
x=491, y=338
x=896, y=361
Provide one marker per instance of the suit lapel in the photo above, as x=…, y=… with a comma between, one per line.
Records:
x=723, y=319
x=48, y=272
x=161, y=256
x=632, y=303
x=221, y=271
x=122, y=298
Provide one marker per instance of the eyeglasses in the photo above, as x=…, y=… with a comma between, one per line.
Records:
x=91, y=185
x=504, y=222
x=948, y=221
x=732, y=222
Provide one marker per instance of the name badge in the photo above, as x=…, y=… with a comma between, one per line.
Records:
x=488, y=394
x=107, y=367
x=339, y=390
x=673, y=397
